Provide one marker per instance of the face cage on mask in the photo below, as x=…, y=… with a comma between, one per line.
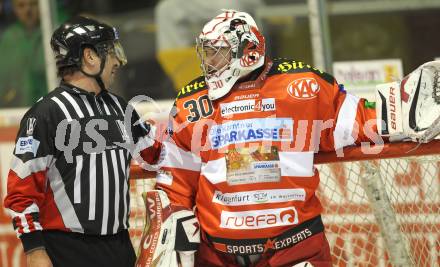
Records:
x=223, y=53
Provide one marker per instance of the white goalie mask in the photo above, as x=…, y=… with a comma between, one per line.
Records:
x=229, y=47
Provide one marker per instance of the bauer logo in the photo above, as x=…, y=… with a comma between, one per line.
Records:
x=250, y=105
x=251, y=130
x=257, y=219
x=305, y=88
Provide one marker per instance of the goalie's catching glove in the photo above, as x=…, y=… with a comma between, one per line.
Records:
x=410, y=109
x=171, y=235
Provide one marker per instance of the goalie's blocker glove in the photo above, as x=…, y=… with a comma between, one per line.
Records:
x=409, y=110
x=171, y=235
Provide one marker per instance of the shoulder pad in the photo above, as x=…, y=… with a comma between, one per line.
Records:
x=284, y=65
x=42, y=108
x=193, y=87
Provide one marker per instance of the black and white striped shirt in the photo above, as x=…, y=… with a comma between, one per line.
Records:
x=67, y=172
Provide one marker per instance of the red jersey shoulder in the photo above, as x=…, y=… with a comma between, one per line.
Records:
x=192, y=102
x=285, y=66
x=195, y=86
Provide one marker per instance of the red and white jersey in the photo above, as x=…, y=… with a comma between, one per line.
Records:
x=246, y=160
x=79, y=186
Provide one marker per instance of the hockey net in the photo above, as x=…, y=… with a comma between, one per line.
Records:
x=379, y=209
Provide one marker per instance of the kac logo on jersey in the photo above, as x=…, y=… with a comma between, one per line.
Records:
x=305, y=88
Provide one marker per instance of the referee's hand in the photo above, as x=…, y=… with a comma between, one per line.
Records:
x=38, y=258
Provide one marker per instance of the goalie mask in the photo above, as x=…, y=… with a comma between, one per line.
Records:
x=229, y=47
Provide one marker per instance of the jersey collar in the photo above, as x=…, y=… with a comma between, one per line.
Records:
x=76, y=90
x=258, y=82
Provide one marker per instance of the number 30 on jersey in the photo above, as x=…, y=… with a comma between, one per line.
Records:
x=200, y=108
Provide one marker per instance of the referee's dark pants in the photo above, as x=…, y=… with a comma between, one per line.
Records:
x=78, y=250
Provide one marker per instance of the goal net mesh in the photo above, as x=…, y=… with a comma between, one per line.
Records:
x=411, y=184
x=413, y=188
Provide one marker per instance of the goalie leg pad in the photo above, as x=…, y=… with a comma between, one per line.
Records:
x=170, y=230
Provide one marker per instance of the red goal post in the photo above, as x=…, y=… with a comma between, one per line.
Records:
x=379, y=209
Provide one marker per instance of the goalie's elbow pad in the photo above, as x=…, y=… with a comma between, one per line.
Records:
x=410, y=109
x=171, y=235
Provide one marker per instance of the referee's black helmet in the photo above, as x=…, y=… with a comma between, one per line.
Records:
x=69, y=40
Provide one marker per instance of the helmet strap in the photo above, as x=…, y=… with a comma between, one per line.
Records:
x=97, y=76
